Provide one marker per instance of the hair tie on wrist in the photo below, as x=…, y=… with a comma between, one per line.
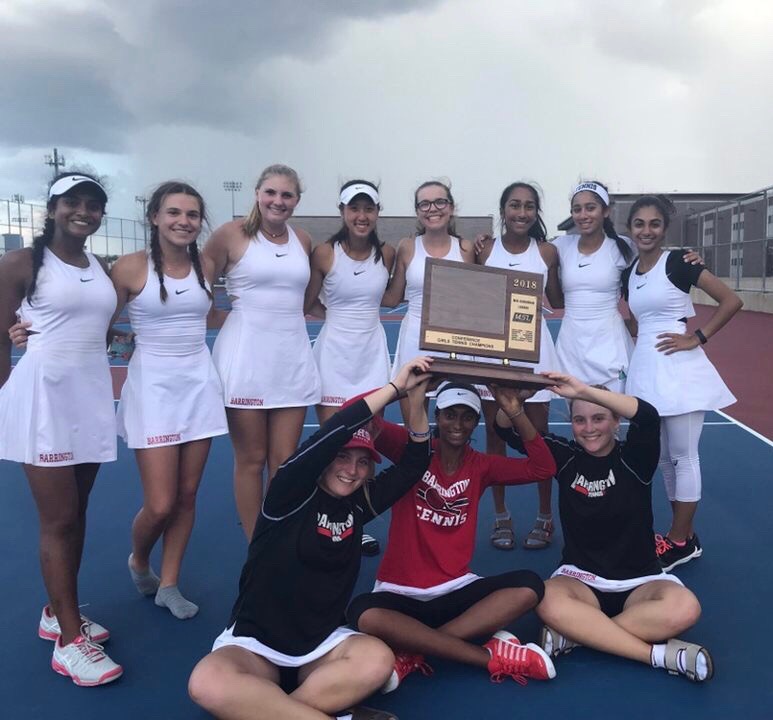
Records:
x=400, y=393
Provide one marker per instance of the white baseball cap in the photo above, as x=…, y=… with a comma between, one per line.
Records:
x=454, y=393
x=69, y=182
x=352, y=191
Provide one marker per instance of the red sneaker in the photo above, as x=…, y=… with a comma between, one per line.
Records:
x=405, y=664
x=511, y=659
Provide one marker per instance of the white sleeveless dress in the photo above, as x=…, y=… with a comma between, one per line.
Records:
x=408, y=340
x=57, y=406
x=263, y=353
x=351, y=350
x=528, y=261
x=675, y=384
x=593, y=343
x=172, y=392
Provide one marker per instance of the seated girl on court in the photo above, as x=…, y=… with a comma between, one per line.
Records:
x=287, y=623
x=426, y=601
x=610, y=592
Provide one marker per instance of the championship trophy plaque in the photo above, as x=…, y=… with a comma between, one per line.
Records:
x=473, y=310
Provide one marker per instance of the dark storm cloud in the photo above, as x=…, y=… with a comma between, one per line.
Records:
x=85, y=78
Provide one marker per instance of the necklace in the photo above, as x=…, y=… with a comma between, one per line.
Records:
x=273, y=236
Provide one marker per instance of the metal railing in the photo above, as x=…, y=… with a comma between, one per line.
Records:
x=20, y=222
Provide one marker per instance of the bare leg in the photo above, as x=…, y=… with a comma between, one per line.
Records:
x=353, y=670
x=61, y=497
x=571, y=608
x=325, y=412
x=285, y=426
x=159, y=469
x=450, y=641
x=249, y=435
x=234, y=684
x=659, y=611
x=193, y=457
x=682, y=522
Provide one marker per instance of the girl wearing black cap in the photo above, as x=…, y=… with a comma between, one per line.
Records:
x=287, y=624
x=426, y=600
x=56, y=408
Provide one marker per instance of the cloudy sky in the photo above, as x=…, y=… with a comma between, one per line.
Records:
x=644, y=94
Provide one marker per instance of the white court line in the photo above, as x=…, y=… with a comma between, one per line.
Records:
x=733, y=421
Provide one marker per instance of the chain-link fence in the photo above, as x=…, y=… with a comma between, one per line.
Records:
x=736, y=240
x=20, y=222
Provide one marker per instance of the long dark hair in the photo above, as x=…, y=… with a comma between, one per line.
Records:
x=538, y=230
x=40, y=242
x=609, y=226
x=420, y=229
x=342, y=235
x=173, y=187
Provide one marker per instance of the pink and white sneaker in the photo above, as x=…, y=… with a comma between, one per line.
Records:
x=84, y=661
x=49, y=629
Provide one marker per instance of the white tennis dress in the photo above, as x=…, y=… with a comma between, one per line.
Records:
x=263, y=353
x=593, y=344
x=57, y=406
x=172, y=392
x=351, y=350
x=408, y=340
x=528, y=261
x=682, y=382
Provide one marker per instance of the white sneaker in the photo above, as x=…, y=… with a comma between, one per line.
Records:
x=49, y=629
x=84, y=661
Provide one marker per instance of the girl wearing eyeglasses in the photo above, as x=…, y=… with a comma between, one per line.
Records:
x=435, y=238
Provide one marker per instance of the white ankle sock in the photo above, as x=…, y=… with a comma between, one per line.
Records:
x=658, y=660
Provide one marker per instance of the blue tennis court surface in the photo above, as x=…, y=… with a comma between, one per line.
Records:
x=732, y=581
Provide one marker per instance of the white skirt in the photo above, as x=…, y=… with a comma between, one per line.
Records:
x=675, y=384
x=596, y=350
x=170, y=400
x=58, y=410
x=265, y=362
x=350, y=362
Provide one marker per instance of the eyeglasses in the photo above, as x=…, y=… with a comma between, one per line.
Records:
x=440, y=204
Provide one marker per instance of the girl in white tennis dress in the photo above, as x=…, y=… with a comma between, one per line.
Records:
x=593, y=343
x=171, y=403
x=523, y=248
x=437, y=239
x=669, y=368
x=263, y=352
x=349, y=273
x=56, y=407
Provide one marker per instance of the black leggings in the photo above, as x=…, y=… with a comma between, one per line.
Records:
x=445, y=608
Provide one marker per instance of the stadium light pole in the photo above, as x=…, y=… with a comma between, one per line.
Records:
x=142, y=200
x=232, y=186
x=18, y=199
x=55, y=161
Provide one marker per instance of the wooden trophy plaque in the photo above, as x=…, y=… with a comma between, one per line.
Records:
x=473, y=310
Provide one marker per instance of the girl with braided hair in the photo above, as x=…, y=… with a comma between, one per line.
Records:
x=56, y=408
x=171, y=403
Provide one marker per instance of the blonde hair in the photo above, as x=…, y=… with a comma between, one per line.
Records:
x=251, y=224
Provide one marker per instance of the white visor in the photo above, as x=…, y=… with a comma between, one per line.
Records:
x=451, y=393
x=352, y=191
x=594, y=188
x=67, y=183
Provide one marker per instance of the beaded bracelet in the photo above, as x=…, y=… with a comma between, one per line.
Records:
x=420, y=435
